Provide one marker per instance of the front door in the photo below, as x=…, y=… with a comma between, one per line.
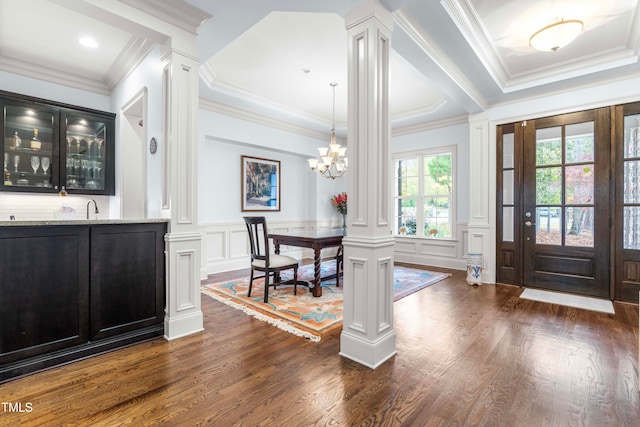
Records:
x=560, y=225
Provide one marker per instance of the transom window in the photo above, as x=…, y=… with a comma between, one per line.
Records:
x=424, y=193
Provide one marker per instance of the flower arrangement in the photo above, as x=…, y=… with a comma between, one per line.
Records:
x=340, y=202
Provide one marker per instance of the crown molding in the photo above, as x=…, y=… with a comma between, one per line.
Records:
x=469, y=24
x=422, y=111
x=176, y=12
x=425, y=126
x=133, y=54
x=261, y=119
x=208, y=77
x=588, y=65
x=53, y=75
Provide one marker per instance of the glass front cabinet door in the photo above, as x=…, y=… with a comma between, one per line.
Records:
x=30, y=149
x=49, y=146
x=87, y=153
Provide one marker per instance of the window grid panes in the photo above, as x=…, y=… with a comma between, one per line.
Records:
x=508, y=190
x=565, y=171
x=423, y=186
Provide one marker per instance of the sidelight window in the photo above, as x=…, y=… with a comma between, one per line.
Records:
x=631, y=200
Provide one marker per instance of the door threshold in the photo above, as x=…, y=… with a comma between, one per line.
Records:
x=569, y=300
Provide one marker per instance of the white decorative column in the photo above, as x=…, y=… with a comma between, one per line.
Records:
x=183, y=313
x=482, y=189
x=368, y=336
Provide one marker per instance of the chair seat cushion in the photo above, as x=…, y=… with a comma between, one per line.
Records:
x=275, y=261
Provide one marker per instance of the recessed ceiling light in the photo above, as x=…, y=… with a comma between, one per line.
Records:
x=306, y=70
x=88, y=42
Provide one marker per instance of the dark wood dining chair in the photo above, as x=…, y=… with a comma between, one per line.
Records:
x=339, y=264
x=264, y=261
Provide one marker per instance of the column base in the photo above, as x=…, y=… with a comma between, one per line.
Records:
x=181, y=326
x=368, y=353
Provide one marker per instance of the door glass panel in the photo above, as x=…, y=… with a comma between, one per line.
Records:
x=579, y=226
x=549, y=146
x=631, y=227
x=507, y=151
x=548, y=186
x=632, y=181
x=548, y=226
x=507, y=224
x=579, y=184
x=579, y=143
x=507, y=187
x=632, y=136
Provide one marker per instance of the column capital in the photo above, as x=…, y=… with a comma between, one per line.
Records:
x=367, y=10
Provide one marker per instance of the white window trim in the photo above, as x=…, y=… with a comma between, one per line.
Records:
x=453, y=205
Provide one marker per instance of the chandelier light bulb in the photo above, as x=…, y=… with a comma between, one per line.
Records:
x=333, y=164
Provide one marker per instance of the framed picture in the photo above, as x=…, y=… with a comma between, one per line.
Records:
x=260, y=184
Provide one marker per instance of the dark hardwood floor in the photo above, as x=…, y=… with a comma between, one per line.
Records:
x=467, y=356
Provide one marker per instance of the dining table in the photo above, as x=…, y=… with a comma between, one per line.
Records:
x=316, y=240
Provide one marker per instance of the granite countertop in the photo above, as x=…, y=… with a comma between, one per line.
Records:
x=81, y=222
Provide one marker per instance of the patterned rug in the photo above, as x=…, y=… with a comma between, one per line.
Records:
x=303, y=314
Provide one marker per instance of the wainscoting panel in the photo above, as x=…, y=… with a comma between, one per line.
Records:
x=214, y=245
x=443, y=253
x=226, y=246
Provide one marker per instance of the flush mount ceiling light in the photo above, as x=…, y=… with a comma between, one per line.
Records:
x=88, y=42
x=556, y=35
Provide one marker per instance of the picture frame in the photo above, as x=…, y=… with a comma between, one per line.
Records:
x=260, y=184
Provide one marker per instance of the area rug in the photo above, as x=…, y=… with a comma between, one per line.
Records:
x=569, y=300
x=303, y=314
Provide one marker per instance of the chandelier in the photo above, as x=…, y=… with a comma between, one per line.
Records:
x=332, y=164
x=557, y=35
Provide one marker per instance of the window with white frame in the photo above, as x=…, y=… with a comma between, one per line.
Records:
x=424, y=192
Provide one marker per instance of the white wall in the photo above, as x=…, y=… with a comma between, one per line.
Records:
x=224, y=139
x=147, y=75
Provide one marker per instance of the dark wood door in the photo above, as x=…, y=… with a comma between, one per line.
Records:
x=565, y=205
x=627, y=202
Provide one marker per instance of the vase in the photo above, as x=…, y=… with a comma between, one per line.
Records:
x=344, y=222
x=474, y=269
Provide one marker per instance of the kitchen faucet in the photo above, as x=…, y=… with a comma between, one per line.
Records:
x=96, y=211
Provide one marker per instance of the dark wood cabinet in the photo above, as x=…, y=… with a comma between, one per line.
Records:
x=48, y=145
x=127, y=278
x=71, y=291
x=44, y=273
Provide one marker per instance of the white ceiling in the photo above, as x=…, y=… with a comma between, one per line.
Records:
x=450, y=57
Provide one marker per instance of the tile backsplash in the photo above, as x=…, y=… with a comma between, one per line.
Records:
x=28, y=207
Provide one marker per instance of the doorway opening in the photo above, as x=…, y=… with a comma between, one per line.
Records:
x=133, y=160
